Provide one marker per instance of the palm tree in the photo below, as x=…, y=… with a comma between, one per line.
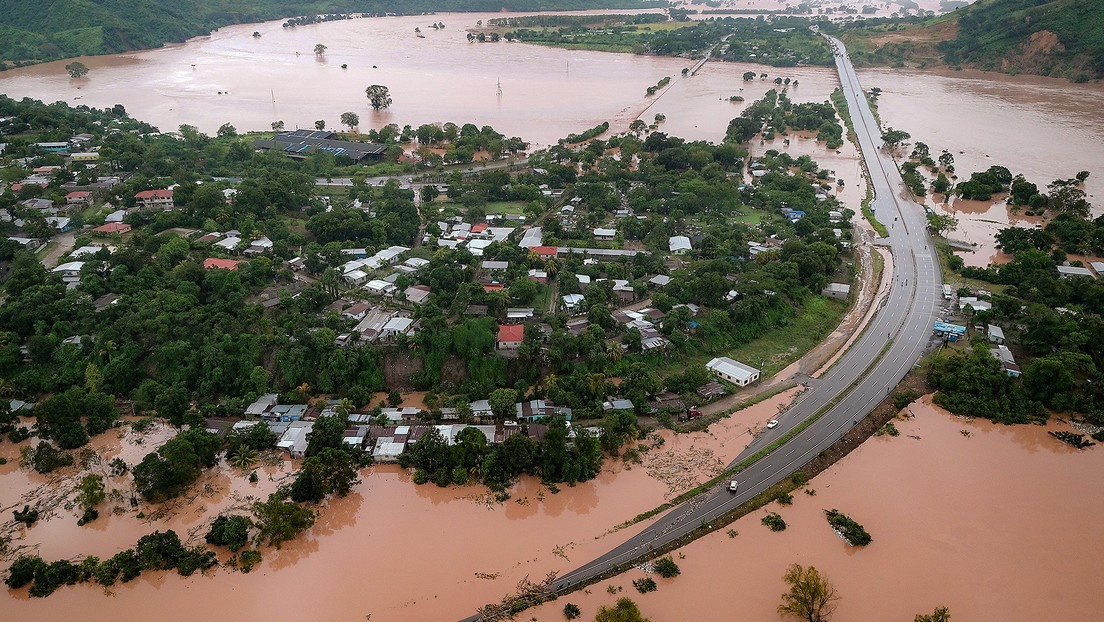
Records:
x=242, y=457
x=614, y=351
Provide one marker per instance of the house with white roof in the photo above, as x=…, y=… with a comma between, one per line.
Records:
x=733, y=371
x=679, y=244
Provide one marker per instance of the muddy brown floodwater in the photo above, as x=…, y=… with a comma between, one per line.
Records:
x=1044, y=128
x=547, y=93
x=998, y=525
x=390, y=549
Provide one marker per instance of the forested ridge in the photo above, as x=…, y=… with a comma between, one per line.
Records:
x=51, y=29
x=1046, y=37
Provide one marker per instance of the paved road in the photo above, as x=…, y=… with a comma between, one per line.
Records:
x=858, y=382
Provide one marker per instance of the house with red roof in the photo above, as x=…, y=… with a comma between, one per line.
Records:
x=480, y=228
x=214, y=263
x=113, y=227
x=544, y=252
x=79, y=197
x=155, y=199
x=510, y=336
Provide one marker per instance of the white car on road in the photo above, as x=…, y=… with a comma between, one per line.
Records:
x=772, y=423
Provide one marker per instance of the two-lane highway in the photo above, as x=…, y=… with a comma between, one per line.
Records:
x=859, y=381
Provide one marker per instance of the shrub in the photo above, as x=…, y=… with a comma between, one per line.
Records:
x=645, y=585
x=774, y=522
x=784, y=498
x=248, y=559
x=666, y=567
x=849, y=529
x=571, y=611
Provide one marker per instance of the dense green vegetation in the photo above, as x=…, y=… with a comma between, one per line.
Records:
x=780, y=41
x=847, y=527
x=1047, y=37
x=53, y=29
x=156, y=551
x=1054, y=324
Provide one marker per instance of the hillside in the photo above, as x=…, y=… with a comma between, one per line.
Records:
x=47, y=30
x=1063, y=38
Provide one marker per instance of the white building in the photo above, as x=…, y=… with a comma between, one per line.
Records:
x=679, y=244
x=733, y=371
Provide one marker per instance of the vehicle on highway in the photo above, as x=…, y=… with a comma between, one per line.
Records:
x=772, y=423
x=733, y=485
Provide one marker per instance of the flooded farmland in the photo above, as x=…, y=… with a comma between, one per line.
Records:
x=996, y=524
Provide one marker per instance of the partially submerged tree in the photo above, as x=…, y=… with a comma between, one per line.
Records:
x=350, y=119
x=76, y=69
x=319, y=49
x=811, y=596
x=379, y=96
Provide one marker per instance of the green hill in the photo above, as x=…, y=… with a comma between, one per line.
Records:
x=46, y=30
x=1045, y=37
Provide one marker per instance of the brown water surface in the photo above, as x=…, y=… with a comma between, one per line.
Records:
x=997, y=525
x=1043, y=128
x=390, y=549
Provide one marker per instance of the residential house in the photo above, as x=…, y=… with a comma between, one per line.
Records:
x=495, y=266
x=61, y=223
x=510, y=336
x=538, y=276
x=295, y=438
x=679, y=244
x=839, y=291
x=88, y=251
x=1007, y=361
x=515, y=315
x=356, y=311
x=571, y=302
x=545, y=252
x=80, y=197
x=604, y=234
x=733, y=371
x=532, y=238
x=357, y=277
x=660, y=280
x=371, y=326
x=214, y=263
x=229, y=243
x=1066, y=272
x=397, y=326
x=382, y=288
x=995, y=334
x=113, y=227
x=155, y=199
x=417, y=294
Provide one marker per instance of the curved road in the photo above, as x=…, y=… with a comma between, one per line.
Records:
x=857, y=383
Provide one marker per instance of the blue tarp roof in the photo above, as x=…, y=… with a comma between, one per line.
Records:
x=954, y=329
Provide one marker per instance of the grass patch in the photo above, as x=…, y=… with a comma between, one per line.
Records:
x=505, y=207
x=840, y=100
x=784, y=345
x=869, y=214
x=752, y=219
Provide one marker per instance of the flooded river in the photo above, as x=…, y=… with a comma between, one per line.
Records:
x=1043, y=128
x=997, y=525
x=546, y=93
